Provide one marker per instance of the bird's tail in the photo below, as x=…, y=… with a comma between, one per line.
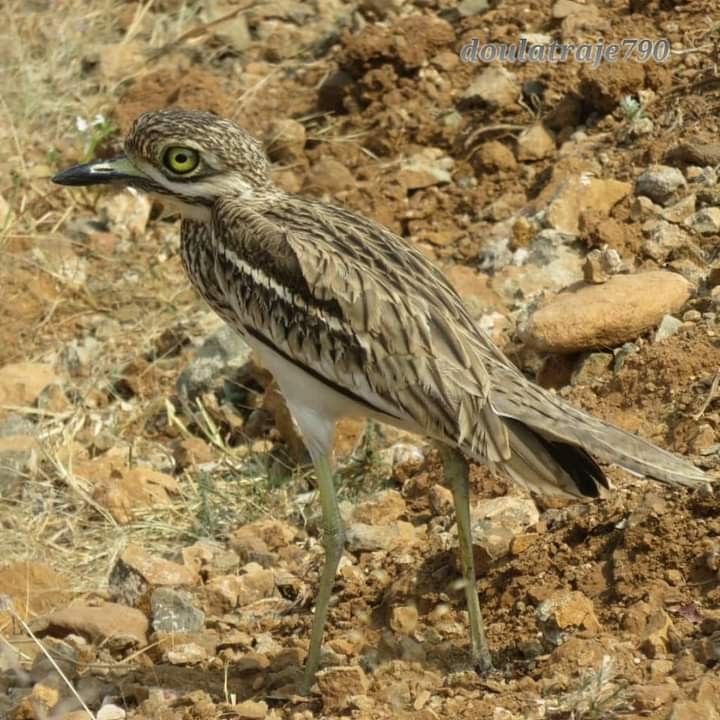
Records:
x=554, y=446
x=549, y=467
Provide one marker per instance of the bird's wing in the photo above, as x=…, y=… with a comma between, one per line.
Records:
x=350, y=299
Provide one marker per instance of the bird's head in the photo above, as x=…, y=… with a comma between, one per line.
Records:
x=189, y=158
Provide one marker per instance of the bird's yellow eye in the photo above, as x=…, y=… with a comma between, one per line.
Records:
x=181, y=160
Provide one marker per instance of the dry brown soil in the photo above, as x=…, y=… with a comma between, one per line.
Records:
x=646, y=558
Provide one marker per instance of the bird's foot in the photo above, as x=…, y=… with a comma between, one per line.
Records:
x=482, y=662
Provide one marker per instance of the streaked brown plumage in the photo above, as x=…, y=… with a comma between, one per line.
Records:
x=352, y=320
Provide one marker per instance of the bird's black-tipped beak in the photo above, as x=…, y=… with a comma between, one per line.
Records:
x=101, y=172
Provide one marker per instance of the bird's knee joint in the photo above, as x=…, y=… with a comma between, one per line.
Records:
x=334, y=540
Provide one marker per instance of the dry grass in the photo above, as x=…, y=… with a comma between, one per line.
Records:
x=45, y=86
x=597, y=694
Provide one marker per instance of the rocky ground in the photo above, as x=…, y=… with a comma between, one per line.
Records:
x=160, y=546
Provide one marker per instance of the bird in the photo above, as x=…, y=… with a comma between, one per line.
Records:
x=352, y=321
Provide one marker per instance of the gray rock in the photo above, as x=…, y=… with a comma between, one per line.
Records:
x=681, y=210
x=641, y=126
x=173, y=612
x=708, y=196
x=520, y=286
x=264, y=644
x=669, y=325
x=708, y=176
x=222, y=356
x=17, y=425
x=659, y=183
x=554, y=253
x=496, y=254
x=453, y=120
x=693, y=271
x=601, y=264
x=403, y=454
x=591, y=367
x=79, y=353
x=623, y=353
x=127, y=213
x=663, y=238
x=19, y=457
x=705, y=221
x=543, y=247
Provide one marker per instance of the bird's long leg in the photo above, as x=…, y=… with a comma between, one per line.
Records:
x=333, y=542
x=457, y=476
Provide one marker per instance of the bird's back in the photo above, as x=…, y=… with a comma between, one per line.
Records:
x=339, y=294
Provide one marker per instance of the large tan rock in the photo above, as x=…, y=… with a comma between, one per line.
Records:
x=583, y=192
x=126, y=626
x=607, y=315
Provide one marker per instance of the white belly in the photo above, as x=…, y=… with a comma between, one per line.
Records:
x=315, y=406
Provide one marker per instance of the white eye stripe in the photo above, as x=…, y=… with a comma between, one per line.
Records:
x=210, y=187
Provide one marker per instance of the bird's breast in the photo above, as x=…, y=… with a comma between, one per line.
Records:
x=200, y=259
x=270, y=313
x=248, y=299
